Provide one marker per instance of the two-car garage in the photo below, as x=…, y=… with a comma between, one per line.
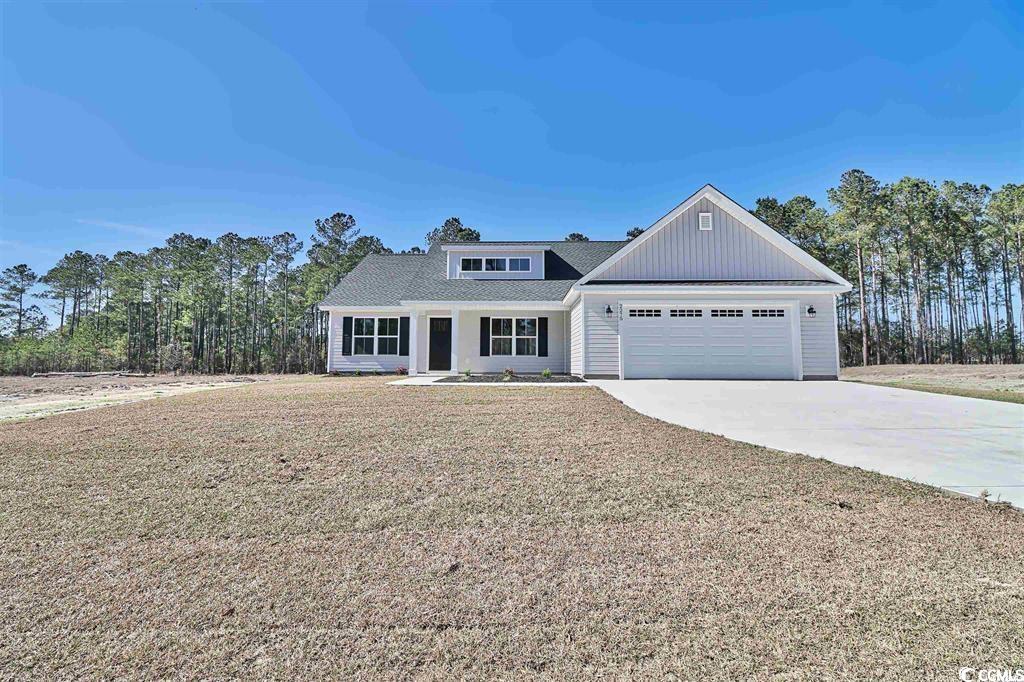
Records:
x=714, y=340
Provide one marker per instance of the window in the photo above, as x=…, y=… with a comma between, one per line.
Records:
x=362, y=335
x=494, y=264
x=501, y=336
x=387, y=336
x=704, y=221
x=472, y=264
x=768, y=312
x=644, y=312
x=375, y=336
x=513, y=336
x=526, y=336
x=519, y=264
x=686, y=312
x=726, y=312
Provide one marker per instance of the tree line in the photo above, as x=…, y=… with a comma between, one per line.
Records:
x=232, y=304
x=934, y=268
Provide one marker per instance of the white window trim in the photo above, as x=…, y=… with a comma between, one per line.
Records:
x=503, y=259
x=529, y=263
x=397, y=336
x=376, y=337
x=515, y=336
x=700, y=225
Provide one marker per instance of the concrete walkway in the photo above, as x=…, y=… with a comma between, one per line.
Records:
x=962, y=444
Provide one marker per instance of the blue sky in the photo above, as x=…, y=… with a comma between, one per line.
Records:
x=125, y=123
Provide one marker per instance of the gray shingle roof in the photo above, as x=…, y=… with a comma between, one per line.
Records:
x=386, y=280
x=379, y=279
x=714, y=283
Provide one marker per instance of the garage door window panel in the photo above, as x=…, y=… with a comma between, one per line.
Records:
x=710, y=341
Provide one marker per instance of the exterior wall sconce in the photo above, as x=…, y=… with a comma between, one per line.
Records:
x=608, y=312
x=811, y=312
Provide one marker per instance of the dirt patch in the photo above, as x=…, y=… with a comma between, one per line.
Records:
x=320, y=528
x=35, y=397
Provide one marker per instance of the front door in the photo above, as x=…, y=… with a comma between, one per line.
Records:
x=440, y=344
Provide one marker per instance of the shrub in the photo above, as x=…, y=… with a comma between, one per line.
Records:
x=508, y=373
x=546, y=373
x=466, y=373
x=358, y=373
x=376, y=372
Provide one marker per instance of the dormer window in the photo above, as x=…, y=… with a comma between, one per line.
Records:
x=519, y=264
x=472, y=264
x=495, y=264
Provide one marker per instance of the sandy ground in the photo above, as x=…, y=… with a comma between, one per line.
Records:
x=341, y=527
x=984, y=380
x=31, y=398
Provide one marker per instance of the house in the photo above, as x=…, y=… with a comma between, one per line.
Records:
x=707, y=292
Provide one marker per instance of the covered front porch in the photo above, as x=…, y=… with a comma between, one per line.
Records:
x=487, y=339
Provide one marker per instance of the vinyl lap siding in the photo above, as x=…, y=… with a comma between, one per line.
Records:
x=536, y=264
x=363, y=363
x=730, y=251
x=818, y=336
x=602, y=337
x=469, y=344
x=576, y=338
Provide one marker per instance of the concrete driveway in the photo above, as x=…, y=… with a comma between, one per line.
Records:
x=961, y=444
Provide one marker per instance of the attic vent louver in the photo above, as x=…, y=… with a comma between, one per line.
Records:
x=704, y=221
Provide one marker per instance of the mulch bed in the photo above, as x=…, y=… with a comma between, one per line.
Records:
x=514, y=379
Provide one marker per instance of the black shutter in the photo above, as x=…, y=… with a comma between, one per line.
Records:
x=403, y=336
x=485, y=337
x=346, y=336
x=542, y=337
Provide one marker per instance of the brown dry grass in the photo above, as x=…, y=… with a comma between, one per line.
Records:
x=989, y=382
x=343, y=527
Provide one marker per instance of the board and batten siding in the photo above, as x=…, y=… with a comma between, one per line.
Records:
x=729, y=251
x=576, y=338
x=818, y=350
x=363, y=363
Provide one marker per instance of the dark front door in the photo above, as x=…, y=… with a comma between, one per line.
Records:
x=440, y=344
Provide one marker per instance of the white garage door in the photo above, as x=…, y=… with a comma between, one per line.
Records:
x=715, y=341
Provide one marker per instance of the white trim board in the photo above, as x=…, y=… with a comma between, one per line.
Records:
x=502, y=246
x=712, y=194
x=488, y=305
x=688, y=289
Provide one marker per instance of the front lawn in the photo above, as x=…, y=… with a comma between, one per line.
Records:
x=321, y=526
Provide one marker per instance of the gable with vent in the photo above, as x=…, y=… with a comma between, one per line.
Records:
x=711, y=238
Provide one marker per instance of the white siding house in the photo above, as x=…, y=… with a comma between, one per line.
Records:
x=708, y=291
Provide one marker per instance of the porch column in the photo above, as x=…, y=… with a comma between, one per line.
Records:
x=414, y=342
x=455, y=341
